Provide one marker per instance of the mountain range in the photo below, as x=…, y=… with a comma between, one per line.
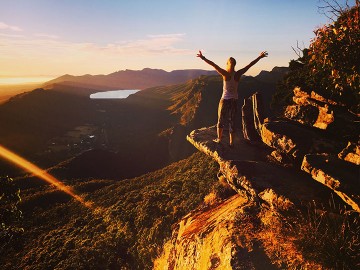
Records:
x=155, y=118
x=126, y=79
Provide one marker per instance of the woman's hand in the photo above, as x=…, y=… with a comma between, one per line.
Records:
x=200, y=55
x=263, y=54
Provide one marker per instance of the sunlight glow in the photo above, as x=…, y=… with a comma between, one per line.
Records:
x=23, y=80
x=28, y=166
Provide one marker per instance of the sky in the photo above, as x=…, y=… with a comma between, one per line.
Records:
x=49, y=38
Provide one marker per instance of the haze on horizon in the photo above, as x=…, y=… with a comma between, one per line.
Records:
x=51, y=38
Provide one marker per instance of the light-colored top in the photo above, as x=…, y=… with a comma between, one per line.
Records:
x=230, y=88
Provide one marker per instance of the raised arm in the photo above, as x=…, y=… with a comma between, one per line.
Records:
x=244, y=69
x=211, y=63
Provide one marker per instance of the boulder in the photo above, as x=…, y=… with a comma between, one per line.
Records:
x=280, y=158
x=300, y=97
x=316, y=111
x=351, y=153
x=303, y=98
x=296, y=140
x=304, y=114
x=252, y=117
x=248, y=126
x=340, y=176
x=258, y=111
x=319, y=97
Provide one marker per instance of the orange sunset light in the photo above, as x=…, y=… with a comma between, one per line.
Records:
x=28, y=166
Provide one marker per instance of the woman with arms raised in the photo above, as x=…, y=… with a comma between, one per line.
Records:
x=228, y=102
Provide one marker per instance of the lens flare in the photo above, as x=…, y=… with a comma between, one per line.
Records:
x=28, y=166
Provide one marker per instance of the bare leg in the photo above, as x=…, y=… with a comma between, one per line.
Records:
x=231, y=138
x=231, y=135
x=219, y=134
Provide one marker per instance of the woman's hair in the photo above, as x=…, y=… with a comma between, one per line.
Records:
x=233, y=61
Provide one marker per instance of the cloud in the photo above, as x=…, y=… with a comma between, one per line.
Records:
x=45, y=52
x=11, y=35
x=4, y=26
x=147, y=46
x=168, y=36
x=150, y=45
x=42, y=35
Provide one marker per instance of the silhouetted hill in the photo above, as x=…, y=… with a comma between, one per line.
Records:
x=8, y=91
x=79, y=89
x=128, y=79
x=29, y=119
x=273, y=76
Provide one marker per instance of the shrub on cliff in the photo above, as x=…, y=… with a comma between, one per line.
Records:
x=334, y=59
x=331, y=64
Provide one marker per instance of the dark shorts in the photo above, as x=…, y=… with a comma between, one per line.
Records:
x=226, y=113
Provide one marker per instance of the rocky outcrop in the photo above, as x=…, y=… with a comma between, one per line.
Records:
x=252, y=117
x=351, y=153
x=296, y=140
x=306, y=144
x=221, y=237
x=340, y=176
x=236, y=233
x=315, y=135
x=249, y=172
x=319, y=112
x=214, y=238
x=205, y=239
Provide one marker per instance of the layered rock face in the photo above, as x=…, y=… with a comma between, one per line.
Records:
x=204, y=240
x=319, y=112
x=323, y=137
x=318, y=136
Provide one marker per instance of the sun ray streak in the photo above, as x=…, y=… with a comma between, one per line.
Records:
x=30, y=167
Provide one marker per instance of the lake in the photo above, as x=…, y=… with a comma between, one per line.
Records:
x=114, y=94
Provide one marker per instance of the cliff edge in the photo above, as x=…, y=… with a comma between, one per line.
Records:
x=279, y=213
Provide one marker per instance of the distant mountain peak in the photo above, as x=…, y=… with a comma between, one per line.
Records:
x=155, y=69
x=276, y=74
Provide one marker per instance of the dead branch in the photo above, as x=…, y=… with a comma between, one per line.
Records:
x=332, y=9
